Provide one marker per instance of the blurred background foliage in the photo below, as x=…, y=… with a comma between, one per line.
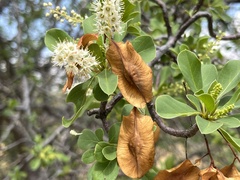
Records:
x=33, y=142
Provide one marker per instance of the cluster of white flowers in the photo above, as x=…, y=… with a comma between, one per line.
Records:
x=78, y=62
x=108, y=16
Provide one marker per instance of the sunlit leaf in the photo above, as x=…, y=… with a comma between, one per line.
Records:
x=195, y=101
x=207, y=126
x=88, y=25
x=208, y=172
x=134, y=76
x=99, y=133
x=185, y=170
x=230, y=122
x=168, y=107
x=135, y=150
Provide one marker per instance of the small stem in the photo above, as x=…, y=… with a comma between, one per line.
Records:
x=229, y=145
x=186, y=148
x=209, y=152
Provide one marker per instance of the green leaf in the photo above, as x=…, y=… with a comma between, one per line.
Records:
x=127, y=108
x=107, y=81
x=88, y=156
x=35, y=163
x=229, y=76
x=54, y=36
x=168, y=107
x=207, y=100
x=107, y=171
x=209, y=74
x=195, y=101
x=232, y=140
x=207, y=127
x=99, y=94
x=87, y=139
x=230, y=122
x=98, y=154
x=114, y=132
x=110, y=152
x=190, y=67
x=78, y=96
x=144, y=45
x=99, y=133
x=89, y=25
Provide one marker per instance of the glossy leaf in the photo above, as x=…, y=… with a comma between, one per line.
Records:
x=107, y=81
x=190, y=67
x=207, y=127
x=87, y=139
x=209, y=74
x=54, y=36
x=88, y=156
x=145, y=47
x=135, y=149
x=229, y=76
x=232, y=140
x=168, y=107
x=134, y=76
x=110, y=152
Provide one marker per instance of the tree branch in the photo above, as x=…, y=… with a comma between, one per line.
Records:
x=174, y=132
x=104, y=110
x=163, y=6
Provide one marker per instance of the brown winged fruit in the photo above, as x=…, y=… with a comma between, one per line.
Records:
x=134, y=75
x=135, y=149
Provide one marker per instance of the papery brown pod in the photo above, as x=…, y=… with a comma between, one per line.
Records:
x=134, y=75
x=135, y=150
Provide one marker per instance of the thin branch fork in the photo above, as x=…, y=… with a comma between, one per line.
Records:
x=104, y=110
x=174, y=132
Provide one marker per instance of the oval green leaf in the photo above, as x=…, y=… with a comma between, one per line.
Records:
x=207, y=127
x=229, y=76
x=88, y=156
x=168, y=107
x=110, y=152
x=87, y=139
x=107, y=81
x=144, y=45
x=54, y=36
x=190, y=67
